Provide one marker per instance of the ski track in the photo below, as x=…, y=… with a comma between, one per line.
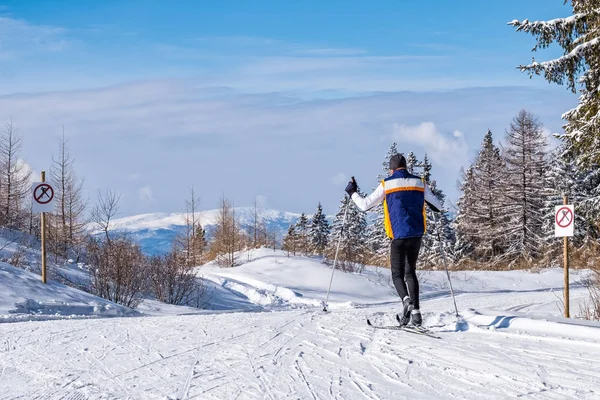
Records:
x=296, y=354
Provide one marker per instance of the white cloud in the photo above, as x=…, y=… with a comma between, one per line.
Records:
x=180, y=133
x=339, y=179
x=22, y=38
x=145, y=194
x=24, y=169
x=550, y=139
x=442, y=149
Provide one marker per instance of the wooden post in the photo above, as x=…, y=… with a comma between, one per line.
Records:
x=566, y=264
x=43, y=234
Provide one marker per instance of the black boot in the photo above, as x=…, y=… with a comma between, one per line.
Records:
x=406, y=309
x=415, y=318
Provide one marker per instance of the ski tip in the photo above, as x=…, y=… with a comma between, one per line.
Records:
x=369, y=322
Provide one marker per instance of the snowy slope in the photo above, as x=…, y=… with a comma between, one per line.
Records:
x=25, y=297
x=278, y=344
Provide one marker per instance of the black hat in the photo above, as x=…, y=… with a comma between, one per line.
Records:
x=397, y=161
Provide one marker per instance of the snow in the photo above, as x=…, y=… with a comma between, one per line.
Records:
x=263, y=334
x=25, y=297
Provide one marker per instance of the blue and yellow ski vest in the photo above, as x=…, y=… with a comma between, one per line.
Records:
x=404, y=205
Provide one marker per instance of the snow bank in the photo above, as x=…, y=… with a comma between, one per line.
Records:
x=24, y=297
x=273, y=279
x=516, y=322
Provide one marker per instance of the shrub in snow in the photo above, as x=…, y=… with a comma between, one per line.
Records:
x=118, y=270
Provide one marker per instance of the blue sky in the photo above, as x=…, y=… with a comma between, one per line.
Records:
x=281, y=100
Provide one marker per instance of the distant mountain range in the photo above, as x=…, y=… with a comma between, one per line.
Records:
x=156, y=232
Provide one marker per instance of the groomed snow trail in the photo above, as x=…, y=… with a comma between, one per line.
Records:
x=301, y=354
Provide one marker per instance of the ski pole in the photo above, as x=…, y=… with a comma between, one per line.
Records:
x=445, y=265
x=337, y=250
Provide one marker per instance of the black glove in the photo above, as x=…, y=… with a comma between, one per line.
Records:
x=351, y=188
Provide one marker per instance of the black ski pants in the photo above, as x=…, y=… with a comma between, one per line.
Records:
x=403, y=257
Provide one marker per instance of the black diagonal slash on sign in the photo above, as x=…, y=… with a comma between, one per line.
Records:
x=565, y=214
x=43, y=194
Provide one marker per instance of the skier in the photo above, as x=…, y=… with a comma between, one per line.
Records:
x=404, y=196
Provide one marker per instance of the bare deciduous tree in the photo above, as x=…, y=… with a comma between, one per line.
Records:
x=14, y=179
x=192, y=241
x=226, y=236
x=118, y=267
x=173, y=282
x=105, y=211
x=67, y=224
x=118, y=270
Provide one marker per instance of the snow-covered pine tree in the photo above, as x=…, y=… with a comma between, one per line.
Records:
x=357, y=250
x=581, y=187
x=426, y=168
x=412, y=162
x=353, y=251
x=579, y=66
x=338, y=234
x=439, y=227
x=377, y=240
x=319, y=232
x=523, y=185
x=590, y=204
x=480, y=219
x=464, y=223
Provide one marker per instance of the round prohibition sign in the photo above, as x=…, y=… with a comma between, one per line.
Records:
x=43, y=193
x=564, y=217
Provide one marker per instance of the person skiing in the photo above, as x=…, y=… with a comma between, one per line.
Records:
x=404, y=196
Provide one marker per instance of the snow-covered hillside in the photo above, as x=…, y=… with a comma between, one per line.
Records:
x=263, y=334
x=25, y=297
x=155, y=232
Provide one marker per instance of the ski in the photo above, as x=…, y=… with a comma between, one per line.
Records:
x=411, y=329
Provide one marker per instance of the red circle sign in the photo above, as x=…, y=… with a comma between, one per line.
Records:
x=43, y=193
x=564, y=217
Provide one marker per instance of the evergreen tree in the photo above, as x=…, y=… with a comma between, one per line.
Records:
x=353, y=248
x=581, y=186
x=439, y=232
x=579, y=37
x=480, y=221
x=523, y=185
x=465, y=224
x=412, y=162
x=426, y=168
x=319, y=232
x=377, y=240
x=357, y=251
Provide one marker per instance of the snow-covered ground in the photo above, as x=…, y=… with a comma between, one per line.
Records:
x=263, y=335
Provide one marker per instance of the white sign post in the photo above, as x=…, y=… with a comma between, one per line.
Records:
x=42, y=202
x=564, y=221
